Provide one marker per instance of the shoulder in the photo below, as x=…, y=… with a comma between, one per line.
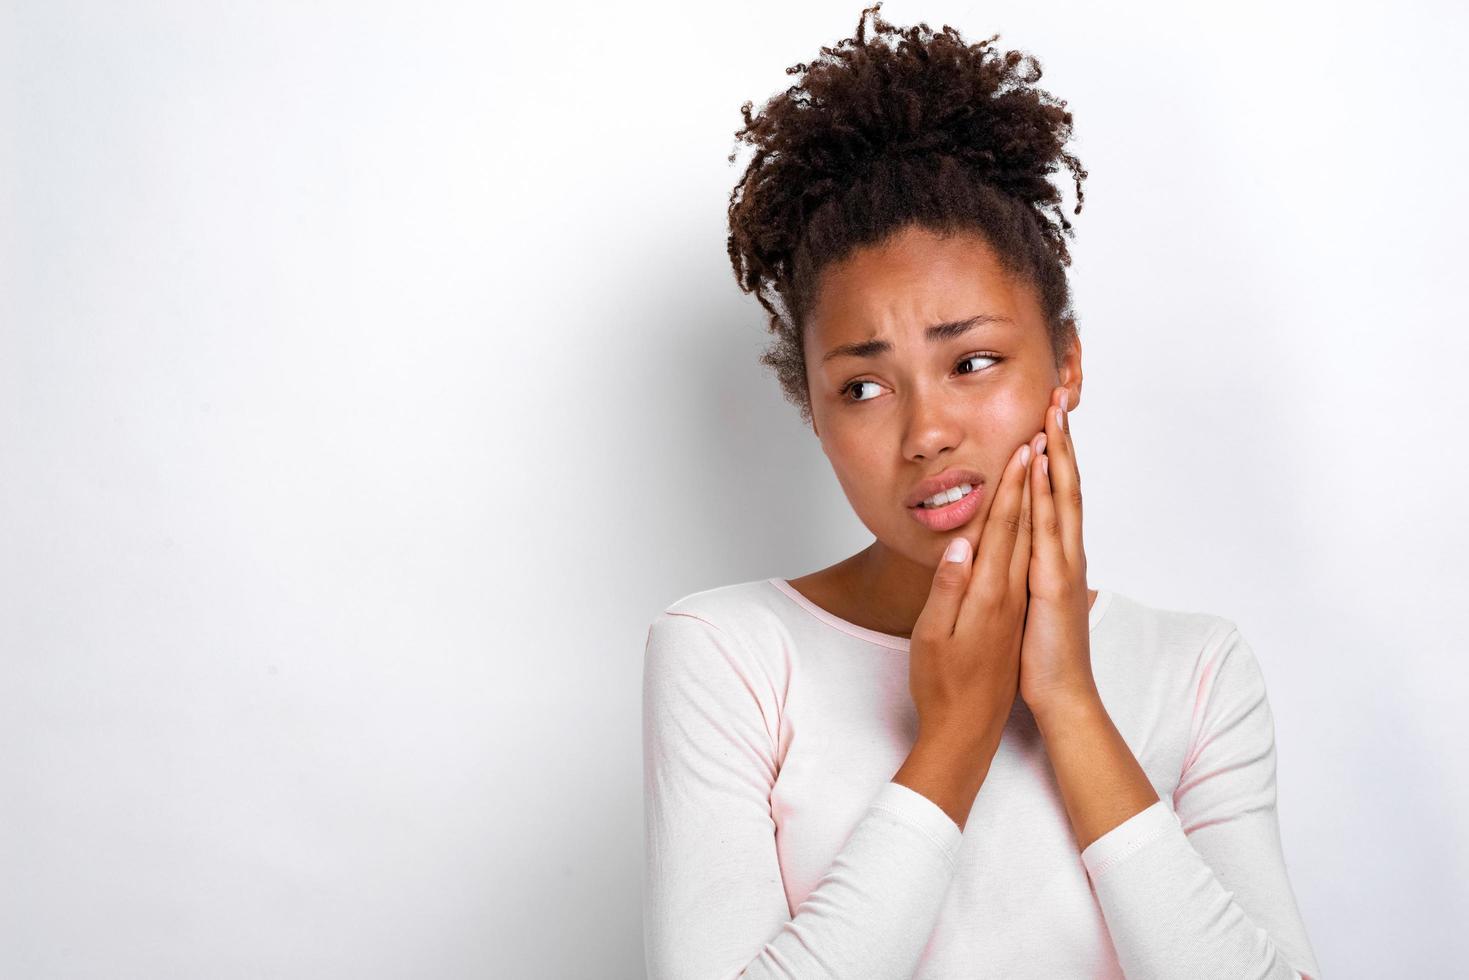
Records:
x=1172, y=641
x=725, y=605
x=742, y=617
x=1134, y=623
x=1189, y=671
x=721, y=646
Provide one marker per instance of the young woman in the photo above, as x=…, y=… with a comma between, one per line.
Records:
x=945, y=756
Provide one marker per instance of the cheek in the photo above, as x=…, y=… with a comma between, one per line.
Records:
x=1013, y=417
x=861, y=467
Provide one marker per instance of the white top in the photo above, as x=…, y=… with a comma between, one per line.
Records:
x=777, y=845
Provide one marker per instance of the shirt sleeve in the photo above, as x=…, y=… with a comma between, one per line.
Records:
x=714, y=904
x=1200, y=889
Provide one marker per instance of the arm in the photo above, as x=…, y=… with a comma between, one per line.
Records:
x=714, y=905
x=1204, y=893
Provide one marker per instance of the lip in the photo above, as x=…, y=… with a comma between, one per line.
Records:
x=943, y=481
x=950, y=516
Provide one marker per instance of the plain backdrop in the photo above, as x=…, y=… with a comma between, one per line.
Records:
x=372, y=374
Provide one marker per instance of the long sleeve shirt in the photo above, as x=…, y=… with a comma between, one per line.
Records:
x=777, y=844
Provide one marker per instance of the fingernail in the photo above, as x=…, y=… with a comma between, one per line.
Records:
x=1025, y=455
x=1065, y=398
x=1041, y=444
x=958, y=550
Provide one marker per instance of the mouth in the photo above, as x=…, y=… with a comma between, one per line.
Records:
x=952, y=514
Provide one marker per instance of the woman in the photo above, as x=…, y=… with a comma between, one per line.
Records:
x=945, y=756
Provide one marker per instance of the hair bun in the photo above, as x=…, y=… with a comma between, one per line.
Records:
x=911, y=91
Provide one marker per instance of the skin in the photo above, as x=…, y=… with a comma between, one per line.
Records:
x=931, y=405
x=926, y=411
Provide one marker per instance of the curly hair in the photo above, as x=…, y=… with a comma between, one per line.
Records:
x=875, y=137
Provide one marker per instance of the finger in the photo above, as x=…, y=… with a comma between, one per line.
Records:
x=945, y=593
x=1001, y=527
x=1045, y=538
x=1065, y=476
x=1020, y=560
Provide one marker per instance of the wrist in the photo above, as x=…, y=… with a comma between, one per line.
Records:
x=1068, y=710
x=968, y=739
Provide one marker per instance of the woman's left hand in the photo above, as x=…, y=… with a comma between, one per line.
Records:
x=1055, y=651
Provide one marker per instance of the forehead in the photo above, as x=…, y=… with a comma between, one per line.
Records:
x=914, y=279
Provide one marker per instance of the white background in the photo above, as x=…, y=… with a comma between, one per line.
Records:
x=371, y=375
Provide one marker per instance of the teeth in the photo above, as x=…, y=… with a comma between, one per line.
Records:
x=948, y=496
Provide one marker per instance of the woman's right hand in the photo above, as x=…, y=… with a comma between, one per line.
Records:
x=964, y=654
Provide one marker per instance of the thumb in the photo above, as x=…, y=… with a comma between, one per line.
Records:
x=950, y=582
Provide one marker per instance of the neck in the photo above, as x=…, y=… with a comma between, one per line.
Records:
x=892, y=588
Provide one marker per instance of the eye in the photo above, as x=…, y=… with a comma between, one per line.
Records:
x=853, y=384
x=979, y=357
x=842, y=392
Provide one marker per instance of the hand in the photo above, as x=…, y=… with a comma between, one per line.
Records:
x=964, y=658
x=1055, y=652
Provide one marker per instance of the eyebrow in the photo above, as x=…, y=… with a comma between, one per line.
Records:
x=934, y=334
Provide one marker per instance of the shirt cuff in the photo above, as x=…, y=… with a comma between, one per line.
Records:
x=921, y=813
x=1129, y=837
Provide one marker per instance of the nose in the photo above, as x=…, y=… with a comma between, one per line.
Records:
x=931, y=427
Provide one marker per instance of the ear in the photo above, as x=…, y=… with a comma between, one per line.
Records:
x=1071, y=372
